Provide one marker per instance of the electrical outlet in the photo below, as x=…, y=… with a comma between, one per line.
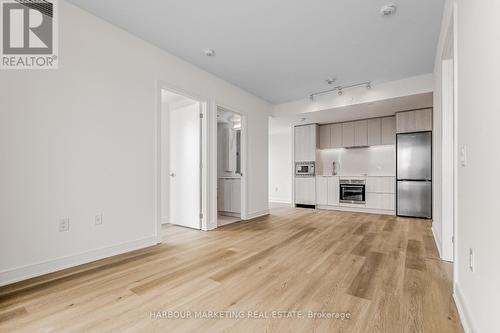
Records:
x=64, y=224
x=471, y=260
x=98, y=219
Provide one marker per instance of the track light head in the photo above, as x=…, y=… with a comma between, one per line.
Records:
x=340, y=92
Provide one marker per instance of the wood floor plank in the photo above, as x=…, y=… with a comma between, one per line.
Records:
x=414, y=255
x=364, y=283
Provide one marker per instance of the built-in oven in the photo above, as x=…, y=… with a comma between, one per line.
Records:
x=352, y=191
x=304, y=169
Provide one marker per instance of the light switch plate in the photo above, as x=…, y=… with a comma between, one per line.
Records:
x=98, y=219
x=471, y=260
x=463, y=156
x=64, y=224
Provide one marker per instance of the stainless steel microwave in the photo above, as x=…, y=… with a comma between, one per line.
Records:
x=304, y=169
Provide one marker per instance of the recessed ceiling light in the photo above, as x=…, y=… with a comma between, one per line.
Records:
x=209, y=52
x=388, y=10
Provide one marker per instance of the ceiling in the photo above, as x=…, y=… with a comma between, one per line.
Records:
x=283, y=50
x=381, y=108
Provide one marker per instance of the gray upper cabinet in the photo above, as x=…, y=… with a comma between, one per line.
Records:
x=325, y=136
x=360, y=133
x=330, y=136
x=414, y=121
x=388, y=128
x=348, y=134
x=374, y=131
x=336, y=136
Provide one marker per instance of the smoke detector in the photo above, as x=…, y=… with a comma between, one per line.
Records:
x=387, y=10
x=209, y=52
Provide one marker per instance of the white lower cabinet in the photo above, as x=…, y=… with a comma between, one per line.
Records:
x=379, y=195
x=229, y=195
x=333, y=191
x=322, y=190
x=380, y=184
x=235, y=195
x=382, y=201
x=327, y=191
x=305, y=190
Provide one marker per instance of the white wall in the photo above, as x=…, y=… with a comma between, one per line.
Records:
x=477, y=293
x=280, y=166
x=81, y=140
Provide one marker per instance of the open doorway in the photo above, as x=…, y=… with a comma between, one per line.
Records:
x=181, y=199
x=229, y=166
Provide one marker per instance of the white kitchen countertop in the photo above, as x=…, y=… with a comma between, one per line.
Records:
x=354, y=175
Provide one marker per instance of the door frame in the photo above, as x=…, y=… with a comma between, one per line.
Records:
x=204, y=109
x=449, y=153
x=244, y=159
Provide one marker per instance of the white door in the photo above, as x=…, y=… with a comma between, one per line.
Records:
x=185, y=180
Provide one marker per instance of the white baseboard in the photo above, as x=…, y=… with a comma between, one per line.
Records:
x=165, y=220
x=257, y=214
x=437, y=240
x=463, y=310
x=356, y=209
x=229, y=214
x=281, y=200
x=29, y=271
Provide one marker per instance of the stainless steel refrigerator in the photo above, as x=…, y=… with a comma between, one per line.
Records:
x=414, y=174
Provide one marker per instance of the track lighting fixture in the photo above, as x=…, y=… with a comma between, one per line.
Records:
x=340, y=89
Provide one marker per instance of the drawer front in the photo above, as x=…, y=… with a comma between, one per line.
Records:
x=380, y=185
x=382, y=201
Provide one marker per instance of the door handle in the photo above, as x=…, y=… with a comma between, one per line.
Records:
x=172, y=174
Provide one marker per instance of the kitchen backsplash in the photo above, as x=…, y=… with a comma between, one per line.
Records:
x=373, y=161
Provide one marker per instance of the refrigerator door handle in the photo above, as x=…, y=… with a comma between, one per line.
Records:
x=414, y=180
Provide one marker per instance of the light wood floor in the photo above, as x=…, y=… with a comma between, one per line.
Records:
x=383, y=270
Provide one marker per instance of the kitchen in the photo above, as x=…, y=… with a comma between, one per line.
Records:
x=378, y=165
